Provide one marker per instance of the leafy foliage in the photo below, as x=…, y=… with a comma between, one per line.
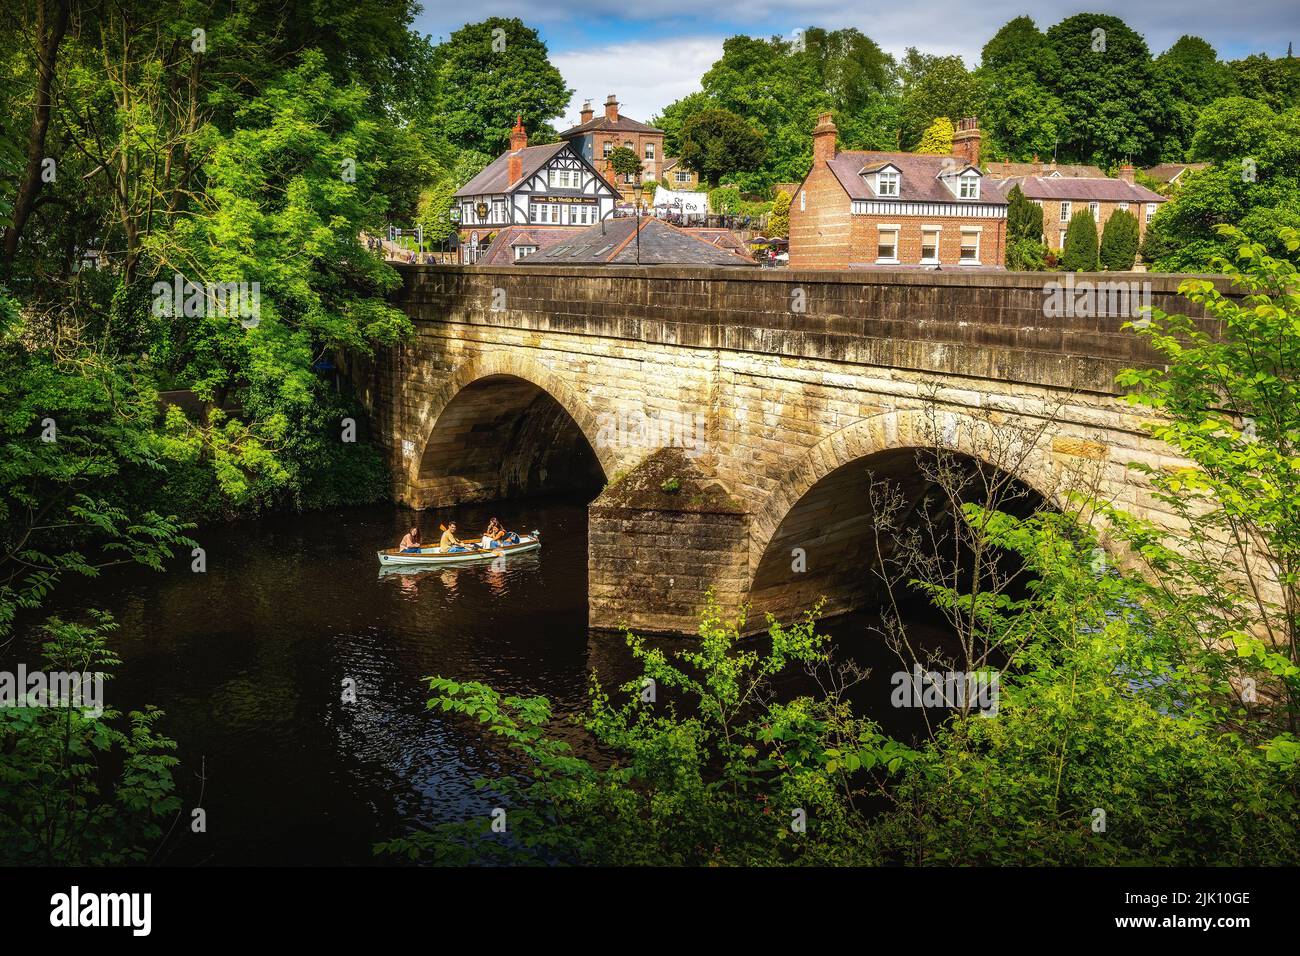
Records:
x=1080, y=252
x=1119, y=241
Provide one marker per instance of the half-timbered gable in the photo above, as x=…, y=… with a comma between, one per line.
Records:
x=550, y=185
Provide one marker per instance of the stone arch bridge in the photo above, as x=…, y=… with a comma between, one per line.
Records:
x=770, y=396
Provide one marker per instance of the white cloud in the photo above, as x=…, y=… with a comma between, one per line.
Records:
x=645, y=75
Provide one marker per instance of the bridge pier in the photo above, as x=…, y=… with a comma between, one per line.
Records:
x=654, y=554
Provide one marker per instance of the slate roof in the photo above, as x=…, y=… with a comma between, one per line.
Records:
x=494, y=179
x=602, y=122
x=614, y=242
x=1067, y=170
x=919, y=178
x=1101, y=189
x=501, y=251
x=722, y=238
x=1168, y=172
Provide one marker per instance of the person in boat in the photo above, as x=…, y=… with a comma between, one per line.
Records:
x=449, y=544
x=410, y=542
x=493, y=535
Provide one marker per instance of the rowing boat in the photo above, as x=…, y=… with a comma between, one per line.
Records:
x=527, y=542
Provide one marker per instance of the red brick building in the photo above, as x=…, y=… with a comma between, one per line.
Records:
x=869, y=209
x=595, y=137
x=1062, y=197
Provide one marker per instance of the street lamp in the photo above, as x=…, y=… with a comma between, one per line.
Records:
x=453, y=216
x=636, y=194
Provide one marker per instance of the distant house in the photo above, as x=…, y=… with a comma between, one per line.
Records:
x=1007, y=170
x=614, y=242
x=549, y=185
x=594, y=138
x=896, y=210
x=678, y=175
x=1062, y=197
x=1170, y=173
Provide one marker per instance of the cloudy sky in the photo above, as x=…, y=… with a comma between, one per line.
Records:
x=602, y=46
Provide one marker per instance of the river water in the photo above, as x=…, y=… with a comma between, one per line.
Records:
x=249, y=661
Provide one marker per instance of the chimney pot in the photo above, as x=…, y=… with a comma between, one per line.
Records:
x=1127, y=173
x=587, y=111
x=966, y=141
x=611, y=108
x=824, y=139
x=518, y=141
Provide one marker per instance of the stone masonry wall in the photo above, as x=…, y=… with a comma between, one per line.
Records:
x=795, y=374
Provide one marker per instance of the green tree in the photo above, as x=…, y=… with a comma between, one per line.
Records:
x=779, y=223
x=933, y=86
x=1275, y=82
x=937, y=139
x=1025, y=249
x=1119, y=242
x=1228, y=399
x=1110, y=94
x=483, y=76
x=625, y=162
x=717, y=142
x=1080, y=252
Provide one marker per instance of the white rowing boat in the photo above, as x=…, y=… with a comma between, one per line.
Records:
x=472, y=553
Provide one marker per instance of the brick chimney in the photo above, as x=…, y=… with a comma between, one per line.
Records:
x=1037, y=166
x=1127, y=173
x=824, y=140
x=587, y=112
x=611, y=108
x=518, y=141
x=966, y=141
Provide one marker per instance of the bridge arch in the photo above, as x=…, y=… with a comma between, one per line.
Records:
x=502, y=424
x=821, y=504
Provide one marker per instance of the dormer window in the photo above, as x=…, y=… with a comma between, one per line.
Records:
x=970, y=186
x=887, y=182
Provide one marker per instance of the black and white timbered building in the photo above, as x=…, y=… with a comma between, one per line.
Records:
x=543, y=187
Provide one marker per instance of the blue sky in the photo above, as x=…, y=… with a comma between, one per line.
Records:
x=651, y=60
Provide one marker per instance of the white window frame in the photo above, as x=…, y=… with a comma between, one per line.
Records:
x=1122, y=207
x=1151, y=210
x=682, y=177
x=498, y=210
x=521, y=251
x=607, y=149
x=975, y=231
x=1067, y=208
x=1095, y=209
x=649, y=150
x=1061, y=236
x=888, y=182
x=803, y=200
x=968, y=186
x=881, y=231
x=938, y=238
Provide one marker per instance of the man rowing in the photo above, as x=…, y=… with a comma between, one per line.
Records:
x=449, y=543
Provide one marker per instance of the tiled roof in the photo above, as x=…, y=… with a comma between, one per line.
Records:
x=602, y=122
x=722, y=238
x=1168, y=172
x=614, y=242
x=1101, y=189
x=919, y=177
x=494, y=179
x=501, y=251
x=1067, y=170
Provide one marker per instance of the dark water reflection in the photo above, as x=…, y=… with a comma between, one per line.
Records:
x=249, y=661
